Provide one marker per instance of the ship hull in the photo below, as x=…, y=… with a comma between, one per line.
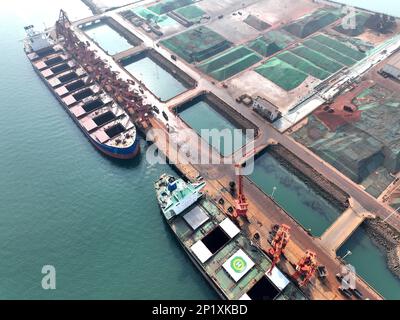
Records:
x=117, y=153
x=123, y=154
x=194, y=261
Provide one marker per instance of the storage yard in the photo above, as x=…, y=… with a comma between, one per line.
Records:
x=230, y=54
x=358, y=132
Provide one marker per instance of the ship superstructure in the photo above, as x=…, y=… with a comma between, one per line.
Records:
x=175, y=195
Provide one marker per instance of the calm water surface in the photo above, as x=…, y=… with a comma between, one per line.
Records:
x=108, y=39
x=370, y=264
x=305, y=205
x=202, y=116
x=159, y=81
x=96, y=220
x=62, y=203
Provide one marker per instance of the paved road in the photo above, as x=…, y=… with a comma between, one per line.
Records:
x=260, y=202
x=267, y=132
x=263, y=214
x=343, y=228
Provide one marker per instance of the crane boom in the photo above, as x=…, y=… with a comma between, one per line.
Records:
x=279, y=243
x=306, y=268
x=242, y=205
x=98, y=70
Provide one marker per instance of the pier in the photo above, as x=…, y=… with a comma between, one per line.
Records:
x=264, y=212
x=344, y=227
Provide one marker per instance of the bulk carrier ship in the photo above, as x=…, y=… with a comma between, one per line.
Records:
x=233, y=265
x=106, y=125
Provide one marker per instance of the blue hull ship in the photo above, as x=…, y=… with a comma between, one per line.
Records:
x=107, y=126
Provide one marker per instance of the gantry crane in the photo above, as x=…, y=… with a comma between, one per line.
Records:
x=98, y=71
x=279, y=243
x=242, y=205
x=306, y=268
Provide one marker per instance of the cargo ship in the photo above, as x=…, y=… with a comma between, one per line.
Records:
x=232, y=264
x=106, y=125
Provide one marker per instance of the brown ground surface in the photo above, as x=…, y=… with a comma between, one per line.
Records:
x=263, y=214
x=340, y=116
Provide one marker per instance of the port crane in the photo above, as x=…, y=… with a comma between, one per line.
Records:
x=306, y=268
x=279, y=243
x=242, y=206
x=98, y=70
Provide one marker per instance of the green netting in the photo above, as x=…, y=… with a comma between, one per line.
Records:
x=393, y=104
x=317, y=46
x=256, y=23
x=317, y=59
x=280, y=37
x=365, y=149
x=340, y=47
x=197, y=44
x=230, y=63
x=310, y=24
x=282, y=74
x=235, y=67
x=261, y=46
x=303, y=65
x=161, y=20
x=224, y=59
x=191, y=13
x=169, y=5
x=369, y=106
x=395, y=203
x=145, y=13
x=365, y=93
x=349, y=149
x=271, y=42
x=361, y=20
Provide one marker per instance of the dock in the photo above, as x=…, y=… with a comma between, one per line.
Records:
x=264, y=212
x=344, y=227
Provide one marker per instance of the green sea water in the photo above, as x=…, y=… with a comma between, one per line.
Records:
x=95, y=219
x=303, y=203
x=150, y=73
x=370, y=263
x=107, y=38
x=366, y=257
x=200, y=115
x=63, y=204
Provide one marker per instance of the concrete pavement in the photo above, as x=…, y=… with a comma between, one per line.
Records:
x=344, y=227
x=264, y=211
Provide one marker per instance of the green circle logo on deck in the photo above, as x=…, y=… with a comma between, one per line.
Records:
x=238, y=264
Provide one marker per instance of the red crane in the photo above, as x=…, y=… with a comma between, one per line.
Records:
x=306, y=268
x=279, y=243
x=242, y=205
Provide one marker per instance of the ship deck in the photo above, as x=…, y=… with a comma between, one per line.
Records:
x=84, y=100
x=214, y=266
